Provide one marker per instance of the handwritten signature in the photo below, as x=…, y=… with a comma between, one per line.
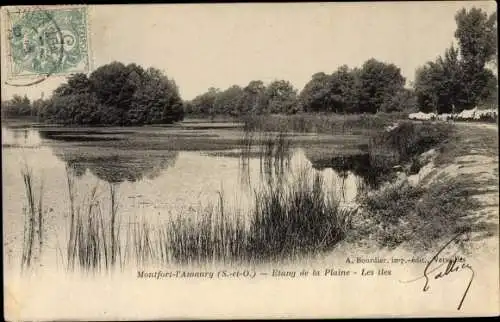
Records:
x=433, y=269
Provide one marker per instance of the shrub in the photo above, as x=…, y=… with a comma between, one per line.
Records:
x=405, y=141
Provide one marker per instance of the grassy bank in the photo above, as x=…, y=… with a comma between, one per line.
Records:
x=417, y=217
x=442, y=202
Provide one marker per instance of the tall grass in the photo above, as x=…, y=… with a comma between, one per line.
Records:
x=216, y=236
x=295, y=219
x=93, y=242
x=272, y=149
x=274, y=156
x=33, y=221
x=289, y=220
x=329, y=123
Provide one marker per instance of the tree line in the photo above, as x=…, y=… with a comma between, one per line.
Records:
x=460, y=79
x=376, y=86
x=118, y=94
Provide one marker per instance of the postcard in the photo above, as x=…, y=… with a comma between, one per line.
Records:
x=250, y=160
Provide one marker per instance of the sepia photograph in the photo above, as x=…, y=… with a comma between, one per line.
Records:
x=250, y=160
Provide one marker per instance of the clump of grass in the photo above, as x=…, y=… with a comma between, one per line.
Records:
x=288, y=221
x=296, y=219
x=418, y=216
x=33, y=220
x=247, y=142
x=214, y=237
x=274, y=154
x=94, y=238
x=211, y=236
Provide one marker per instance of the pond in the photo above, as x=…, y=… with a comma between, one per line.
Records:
x=158, y=173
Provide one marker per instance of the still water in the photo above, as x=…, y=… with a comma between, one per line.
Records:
x=151, y=183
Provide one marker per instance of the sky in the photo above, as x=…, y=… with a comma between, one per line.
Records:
x=219, y=45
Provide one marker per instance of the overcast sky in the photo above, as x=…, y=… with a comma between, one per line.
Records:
x=218, y=45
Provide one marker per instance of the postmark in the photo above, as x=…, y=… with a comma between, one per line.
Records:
x=45, y=41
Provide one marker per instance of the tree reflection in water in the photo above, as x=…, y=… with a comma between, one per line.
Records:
x=358, y=164
x=116, y=166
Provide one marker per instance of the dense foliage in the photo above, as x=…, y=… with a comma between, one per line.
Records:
x=278, y=97
x=461, y=79
x=114, y=94
x=377, y=86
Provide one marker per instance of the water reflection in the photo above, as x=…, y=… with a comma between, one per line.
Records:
x=347, y=175
x=116, y=166
x=358, y=164
x=272, y=170
x=20, y=137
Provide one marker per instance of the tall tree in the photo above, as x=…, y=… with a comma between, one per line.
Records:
x=17, y=106
x=476, y=34
x=343, y=90
x=461, y=79
x=204, y=103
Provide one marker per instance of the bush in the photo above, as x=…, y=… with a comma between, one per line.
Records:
x=406, y=141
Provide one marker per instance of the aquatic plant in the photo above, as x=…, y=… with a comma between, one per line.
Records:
x=94, y=237
x=33, y=220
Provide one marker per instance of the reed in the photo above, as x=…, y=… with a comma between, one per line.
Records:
x=272, y=149
x=288, y=220
x=296, y=219
x=33, y=220
x=94, y=234
x=329, y=123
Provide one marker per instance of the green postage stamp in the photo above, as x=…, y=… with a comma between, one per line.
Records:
x=44, y=41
